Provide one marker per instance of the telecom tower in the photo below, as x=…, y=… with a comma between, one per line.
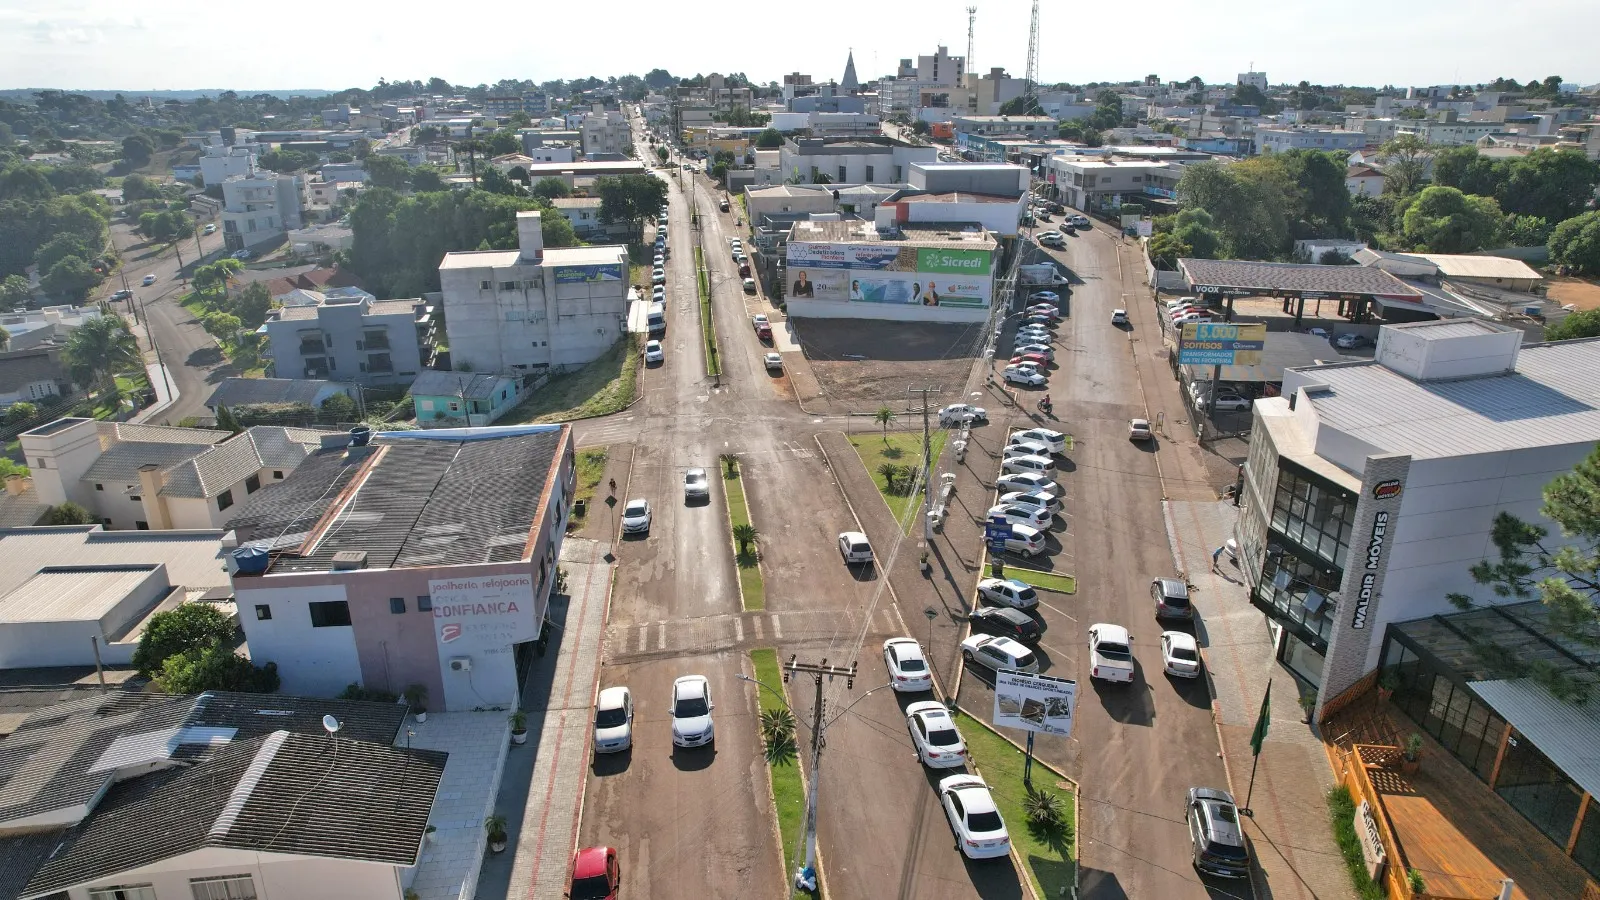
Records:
x=972, y=18
x=1033, y=58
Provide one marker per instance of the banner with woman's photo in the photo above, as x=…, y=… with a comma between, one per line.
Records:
x=895, y=275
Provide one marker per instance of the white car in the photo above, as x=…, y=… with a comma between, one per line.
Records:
x=979, y=831
x=696, y=484
x=749, y=285
x=1190, y=319
x=209, y=229
x=1033, y=334
x=934, y=735
x=1008, y=592
x=1028, y=448
x=759, y=319
x=653, y=352
x=1048, y=235
x=1081, y=222
x=1181, y=302
x=1055, y=441
x=148, y=280
x=958, y=413
x=1139, y=430
x=1033, y=500
x=661, y=260
x=613, y=720
x=1047, y=296
x=636, y=517
x=691, y=712
x=1119, y=317
x=853, y=546
x=1226, y=401
x=773, y=362
x=1022, y=373
x=1110, y=653
x=659, y=276
x=1180, y=655
x=1032, y=516
x=1042, y=465
x=1044, y=309
x=908, y=668
x=996, y=652
x=1025, y=540
x=1044, y=350
x=1028, y=481
x=243, y=254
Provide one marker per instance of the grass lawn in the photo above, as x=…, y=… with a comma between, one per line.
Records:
x=1050, y=581
x=902, y=449
x=194, y=303
x=589, y=468
x=602, y=387
x=788, y=792
x=749, y=564
x=1049, y=859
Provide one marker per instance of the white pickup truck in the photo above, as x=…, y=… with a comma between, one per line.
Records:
x=1040, y=273
x=1110, y=653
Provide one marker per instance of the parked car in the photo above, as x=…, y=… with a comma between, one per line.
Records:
x=1032, y=516
x=1025, y=374
x=1026, y=541
x=1110, y=653
x=243, y=254
x=1139, y=430
x=1008, y=592
x=1046, y=296
x=995, y=652
x=749, y=285
x=973, y=817
x=122, y=295
x=1028, y=481
x=934, y=736
x=960, y=413
x=1051, y=239
x=853, y=546
x=1037, y=360
x=1026, y=448
x=1004, y=621
x=636, y=517
x=908, y=668
x=773, y=362
x=596, y=874
x=1226, y=400
x=691, y=712
x=613, y=720
x=1044, y=320
x=696, y=484
x=1351, y=341
x=1081, y=221
x=1180, y=655
x=658, y=276
x=653, y=352
x=759, y=319
x=1036, y=499
x=1044, y=309
x=1215, y=837
x=1181, y=302
x=209, y=229
x=1119, y=317
x=1054, y=441
x=1042, y=465
x=1171, y=598
x=1044, y=350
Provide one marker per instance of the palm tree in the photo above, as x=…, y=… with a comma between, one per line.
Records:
x=890, y=472
x=730, y=464
x=745, y=535
x=100, y=348
x=883, y=417
x=777, y=732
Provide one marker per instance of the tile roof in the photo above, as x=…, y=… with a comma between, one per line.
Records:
x=120, y=463
x=22, y=368
x=155, y=434
x=246, y=391
x=425, y=501
x=225, y=465
x=1268, y=277
x=469, y=385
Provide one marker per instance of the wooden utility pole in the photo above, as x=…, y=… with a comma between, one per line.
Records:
x=818, y=671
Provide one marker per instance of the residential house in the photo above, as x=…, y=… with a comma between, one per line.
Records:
x=315, y=279
x=533, y=309
x=236, y=392
x=584, y=214
x=609, y=132
x=155, y=477
x=129, y=795
x=450, y=399
x=259, y=209
x=37, y=375
x=1364, y=180
x=450, y=569
x=19, y=503
x=367, y=341
x=29, y=328
x=218, y=163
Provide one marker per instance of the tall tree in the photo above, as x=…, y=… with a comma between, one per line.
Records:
x=1405, y=164
x=1575, y=244
x=101, y=348
x=1444, y=220
x=15, y=292
x=71, y=278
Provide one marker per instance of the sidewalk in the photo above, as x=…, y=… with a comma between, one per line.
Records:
x=161, y=384
x=541, y=791
x=1291, y=832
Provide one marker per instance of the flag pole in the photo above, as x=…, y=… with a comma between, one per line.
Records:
x=1258, y=737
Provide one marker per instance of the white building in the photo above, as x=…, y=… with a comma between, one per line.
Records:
x=605, y=132
x=153, y=477
x=532, y=308
x=259, y=209
x=1257, y=80
x=849, y=161
x=1088, y=183
x=30, y=327
x=218, y=164
x=1371, y=488
x=1451, y=133
x=883, y=270
x=1277, y=140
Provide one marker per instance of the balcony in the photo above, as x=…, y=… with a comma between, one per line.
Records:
x=376, y=340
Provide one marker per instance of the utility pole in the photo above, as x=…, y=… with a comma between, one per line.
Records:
x=818, y=671
x=927, y=450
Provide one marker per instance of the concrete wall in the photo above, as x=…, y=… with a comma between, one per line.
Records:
x=835, y=309
x=60, y=459
x=300, y=877
x=317, y=662
x=532, y=326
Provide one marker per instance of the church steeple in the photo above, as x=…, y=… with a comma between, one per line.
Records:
x=850, y=83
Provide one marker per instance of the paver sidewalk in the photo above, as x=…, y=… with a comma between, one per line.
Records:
x=1290, y=831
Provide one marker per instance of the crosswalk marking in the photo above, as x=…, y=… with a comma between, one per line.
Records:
x=661, y=637
x=777, y=628
x=759, y=635
x=644, y=631
x=738, y=630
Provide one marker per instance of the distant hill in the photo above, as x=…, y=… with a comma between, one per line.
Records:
x=25, y=94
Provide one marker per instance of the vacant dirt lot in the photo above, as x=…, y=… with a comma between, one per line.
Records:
x=861, y=365
x=1577, y=291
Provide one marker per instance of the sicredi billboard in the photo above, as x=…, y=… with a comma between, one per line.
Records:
x=872, y=273
x=1221, y=344
x=483, y=614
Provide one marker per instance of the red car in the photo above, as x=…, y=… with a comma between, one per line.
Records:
x=764, y=331
x=596, y=874
x=1038, y=359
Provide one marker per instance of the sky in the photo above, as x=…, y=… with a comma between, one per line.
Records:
x=292, y=44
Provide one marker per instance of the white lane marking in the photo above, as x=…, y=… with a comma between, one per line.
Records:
x=738, y=630
x=1060, y=612
x=661, y=637
x=759, y=635
x=644, y=634
x=777, y=628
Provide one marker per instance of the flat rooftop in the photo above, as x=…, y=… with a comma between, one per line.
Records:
x=964, y=236
x=434, y=498
x=76, y=594
x=959, y=197
x=194, y=559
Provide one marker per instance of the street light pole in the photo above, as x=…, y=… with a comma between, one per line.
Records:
x=818, y=672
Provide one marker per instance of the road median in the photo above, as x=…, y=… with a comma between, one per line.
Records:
x=746, y=552
x=708, y=325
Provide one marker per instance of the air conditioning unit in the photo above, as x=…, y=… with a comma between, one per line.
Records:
x=461, y=664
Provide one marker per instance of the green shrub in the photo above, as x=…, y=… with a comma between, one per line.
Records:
x=1343, y=811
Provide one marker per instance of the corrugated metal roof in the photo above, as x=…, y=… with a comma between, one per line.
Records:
x=245, y=391
x=1569, y=735
x=194, y=559
x=1267, y=277
x=1481, y=266
x=80, y=594
x=1552, y=399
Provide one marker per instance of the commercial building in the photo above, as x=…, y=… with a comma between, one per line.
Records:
x=155, y=477
x=1105, y=184
x=61, y=586
x=1024, y=126
x=889, y=270
x=569, y=173
x=533, y=309
x=1277, y=140
x=997, y=179
x=847, y=161
x=1371, y=488
x=422, y=557
x=606, y=132
x=259, y=209
x=373, y=342
x=220, y=796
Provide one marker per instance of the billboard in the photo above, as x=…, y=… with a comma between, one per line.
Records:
x=875, y=273
x=1221, y=344
x=592, y=274
x=1041, y=703
x=483, y=614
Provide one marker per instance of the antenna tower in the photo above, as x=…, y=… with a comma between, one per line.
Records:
x=1033, y=57
x=972, y=18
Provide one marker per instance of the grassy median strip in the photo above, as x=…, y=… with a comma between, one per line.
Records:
x=788, y=791
x=893, y=461
x=1049, y=856
x=708, y=325
x=1050, y=581
x=747, y=557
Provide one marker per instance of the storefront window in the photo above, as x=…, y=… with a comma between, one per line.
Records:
x=1300, y=593
x=1449, y=712
x=1315, y=516
x=1303, y=660
x=1538, y=790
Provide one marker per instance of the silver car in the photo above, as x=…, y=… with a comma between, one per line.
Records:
x=696, y=485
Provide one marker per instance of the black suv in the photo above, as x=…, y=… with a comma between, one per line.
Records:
x=1214, y=832
x=1003, y=620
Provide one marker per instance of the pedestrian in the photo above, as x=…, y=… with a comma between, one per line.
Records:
x=1216, y=556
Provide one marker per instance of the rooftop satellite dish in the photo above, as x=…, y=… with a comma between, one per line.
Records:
x=331, y=725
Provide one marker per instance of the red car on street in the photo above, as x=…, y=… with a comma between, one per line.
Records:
x=596, y=875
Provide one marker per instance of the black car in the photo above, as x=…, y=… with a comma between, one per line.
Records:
x=1005, y=621
x=1215, y=838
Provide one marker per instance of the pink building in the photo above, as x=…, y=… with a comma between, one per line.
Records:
x=421, y=558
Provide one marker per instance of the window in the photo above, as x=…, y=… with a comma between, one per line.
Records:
x=99, y=487
x=485, y=285
x=869, y=173
x=124, y=892
x=424, y=603
x=142, y=525
x=508, y=285
x=277, y=474
x=841, y=174
x=227, y=887
x=252, y=484
x=135, y=498
x=225, y=499
x=1313, y=515
x=263, y=612
x=397, y=605
x=329, y=613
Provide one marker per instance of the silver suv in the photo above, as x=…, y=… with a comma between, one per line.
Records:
x=1214, y=834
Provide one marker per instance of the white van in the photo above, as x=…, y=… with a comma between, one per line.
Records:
x=1038, y=465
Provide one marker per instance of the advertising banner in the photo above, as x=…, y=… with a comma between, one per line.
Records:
x=1041, y=703
x=898, y=275
x=483, y=614
x=1220, y=344
x=953, y=262
x=594, y=274
x=851, y=256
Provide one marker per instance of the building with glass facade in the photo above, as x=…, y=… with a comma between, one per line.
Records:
x=1485, y=706
x=1371, y=487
